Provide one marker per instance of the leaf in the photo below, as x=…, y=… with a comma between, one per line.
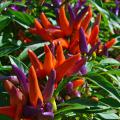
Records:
x=4, y=21
x=33, y=47
x=3, y=117
x=18, y=63
x=103, y=83
x=3, y=5
x=109, y=61
x=111, y=102
x=10, y=49
x=22, y=18
x=109, y=116
x=5, y=68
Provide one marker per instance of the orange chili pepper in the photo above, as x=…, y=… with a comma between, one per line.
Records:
x=78, y=83
x=94, y=35
x=110, y=43
x=37, y=64
x=64, y=43
x=9, y=111
x=59, y=55
x=37, y=24
x=64, y=23
x=34, y=90
x=63, y=68
x=49, y=61
x=41, y=31
x=45, y=22
x=86, y=20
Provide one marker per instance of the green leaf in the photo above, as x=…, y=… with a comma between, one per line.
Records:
x=18, y=63
x=7, y=49
x=4, y=21
x=3, y=5
x=109, y=61
x=22, y=18
x=111, y=102
x=109, y=116
x=33, y=47
x=3, y=117
x=103, y=83
x=5, y=68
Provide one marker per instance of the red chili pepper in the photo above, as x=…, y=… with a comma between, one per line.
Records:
x=63, y=68
x=78, y=83
x=110, y=43
x=94, y=35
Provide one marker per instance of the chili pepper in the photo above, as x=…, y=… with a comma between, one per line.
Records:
x=59, y=54
x=49, y=88
x=41, y=31
x=37, y=64
x=45, y=22
x=78, y=83
x=110, y=43
x=82, y=42
x=76, y=67
x=64, y=23
x=94, y=48
x=34, y=90
x=79, y=18
x=8, y=111
x=93, y=36
x=86, y=20
x=97, y=20
x=49, y=62
x=72, y=14
x=64, y=43
x=67, y=65
x=21, y=77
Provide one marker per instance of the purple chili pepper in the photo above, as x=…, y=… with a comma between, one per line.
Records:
x=83, y=70
x=78, y=5
x=82, y=42
x=69, y=88
x=105, y=51
x=13, y=79
x=56, y=3
x=49, y=89
x=48, y=115
x=30, y=111
x=76, y=93
x=48, y=107
x=21, y=77
x=72, y=14
x=94, y=48
x=81, y=14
